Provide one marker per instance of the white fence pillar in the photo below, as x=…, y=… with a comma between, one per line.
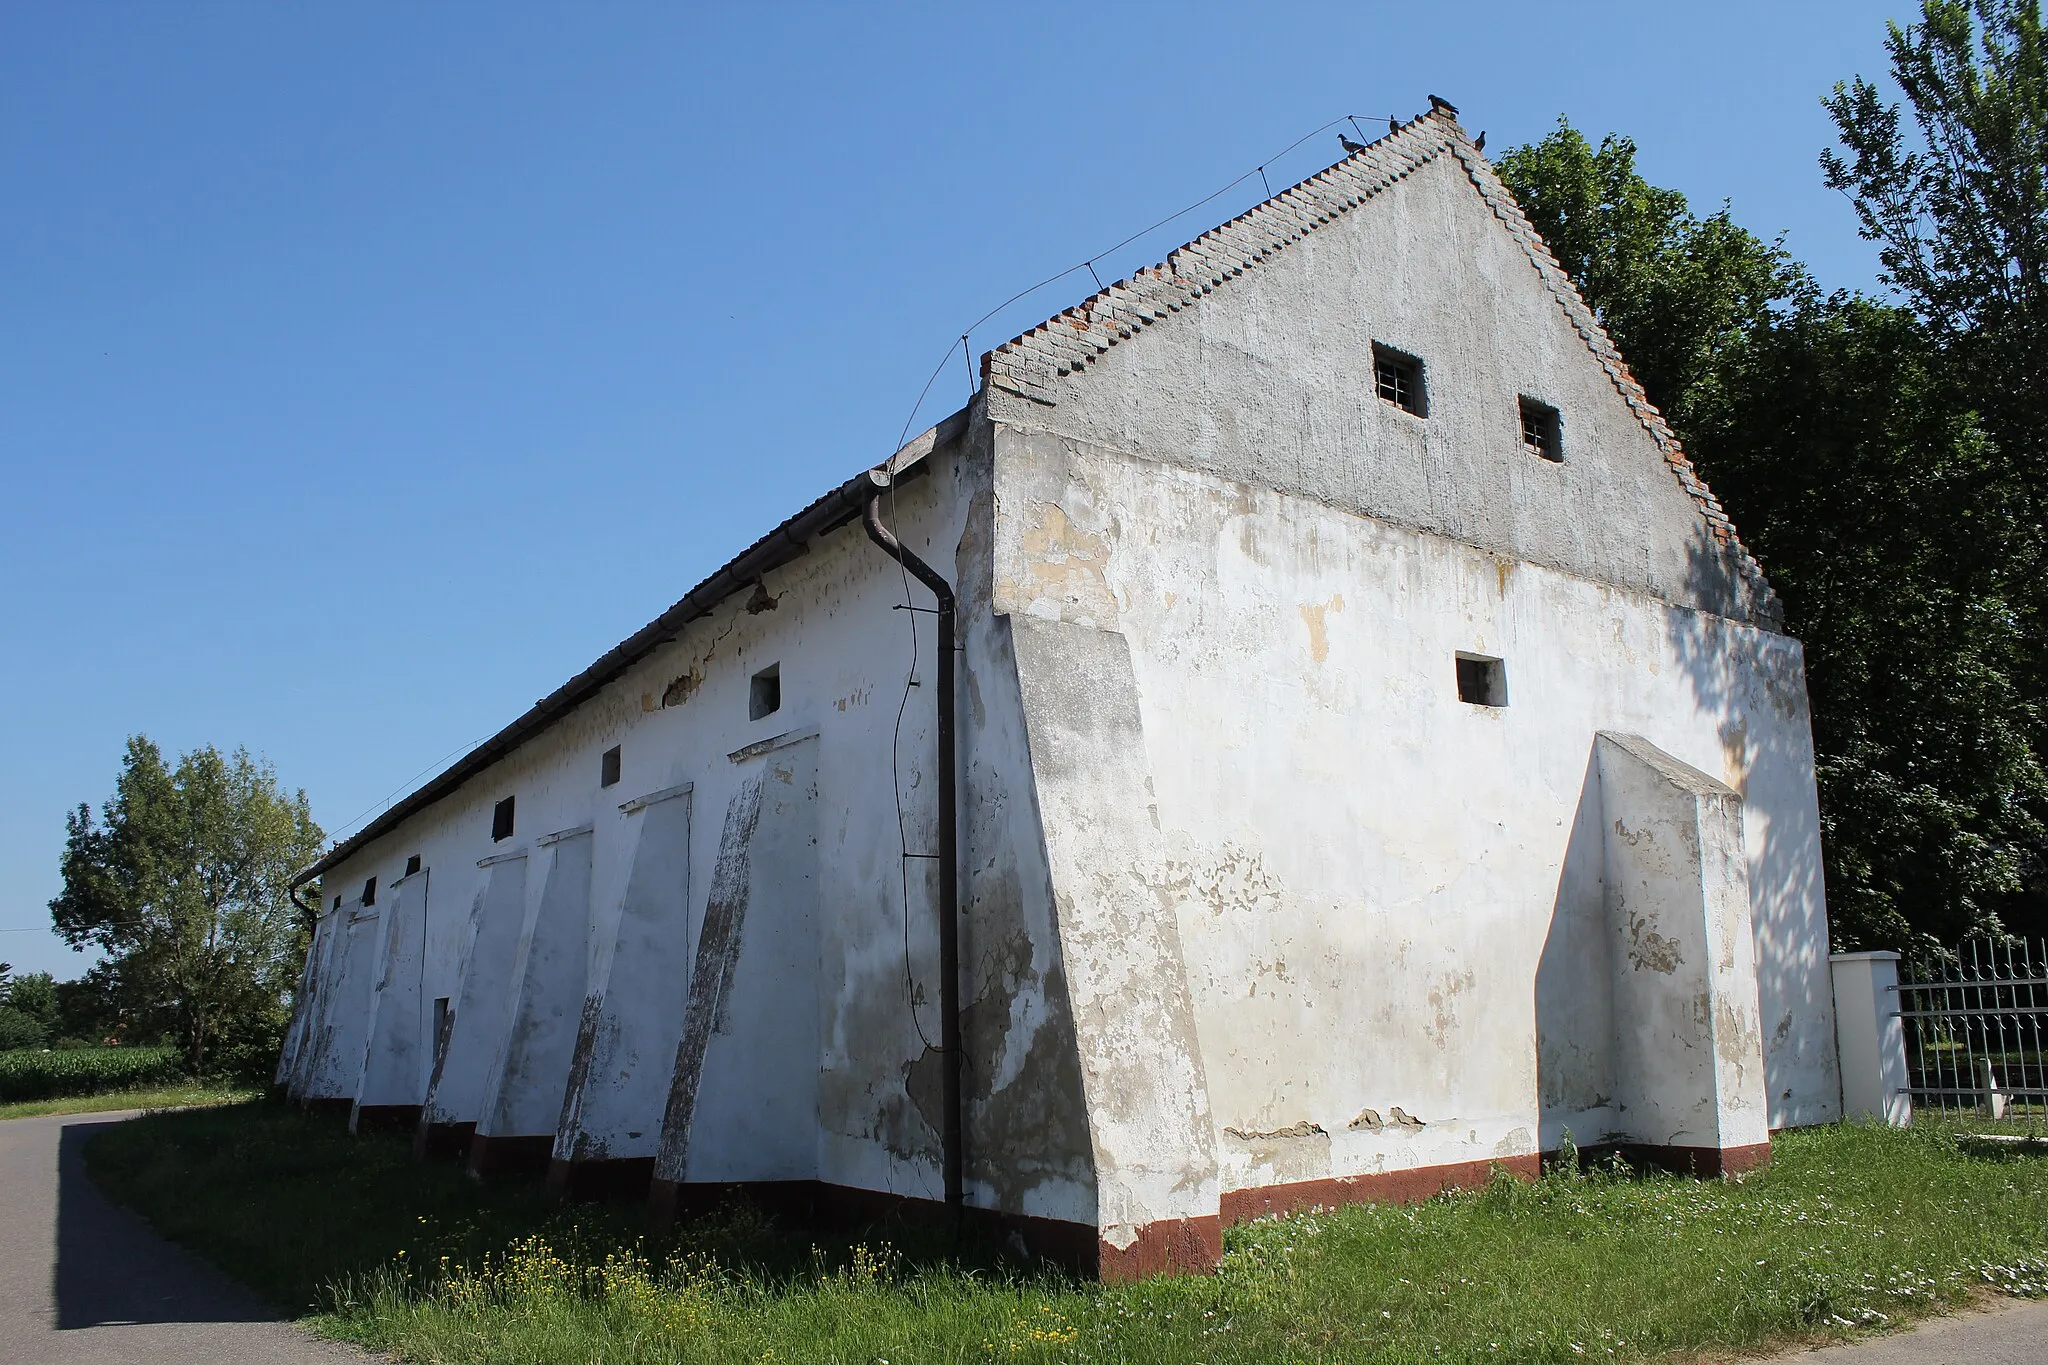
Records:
x=1870, y=1039
x=1991, y=1101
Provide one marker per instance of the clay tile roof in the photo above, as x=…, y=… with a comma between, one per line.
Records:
x=1066, y=344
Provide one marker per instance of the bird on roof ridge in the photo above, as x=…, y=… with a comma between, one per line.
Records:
x=1479, y=143
x=1438, y=104
x=1350, y=148
x=1393, y=124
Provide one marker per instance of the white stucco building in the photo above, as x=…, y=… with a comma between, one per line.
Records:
x=1375, y=755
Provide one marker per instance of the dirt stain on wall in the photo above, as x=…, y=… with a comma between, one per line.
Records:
x=1648, y=948
x=1314, y=615
x=711, y=980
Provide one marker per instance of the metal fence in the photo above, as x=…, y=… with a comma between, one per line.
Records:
x=1975, y=1030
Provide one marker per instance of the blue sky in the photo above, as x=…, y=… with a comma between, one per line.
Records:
x=366, y=370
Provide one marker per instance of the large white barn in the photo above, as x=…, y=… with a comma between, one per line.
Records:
x=1374, y=756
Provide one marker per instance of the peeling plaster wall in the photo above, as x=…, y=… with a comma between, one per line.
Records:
x=1688, y=1063
x=632, y=1015
x=337, y=1046
x=1141, y=1058
x=532, y=1067
x=1249, y=895
x=398, y=1058
x=1269, y=381
x=1390, y=901
x=316, y=980
x=680, y=716
x=481, y=996
x=1029, y=1144
x=744, y=1097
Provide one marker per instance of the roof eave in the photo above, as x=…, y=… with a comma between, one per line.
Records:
x=785, y=544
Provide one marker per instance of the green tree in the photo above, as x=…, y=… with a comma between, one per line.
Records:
x=1877, y=501
x=183, y=882
x=1960, y=212
x=24, y=1022
x=34, y=994
x=1674, y=290
x=86, y=1009
x=18, y=1030
x=1958, y=204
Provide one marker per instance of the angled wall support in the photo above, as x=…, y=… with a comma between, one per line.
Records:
x=1688, y=1057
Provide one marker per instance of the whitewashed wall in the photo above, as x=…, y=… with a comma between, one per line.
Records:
x=1388, y=897
x=1250, y=896
x=864, y=1070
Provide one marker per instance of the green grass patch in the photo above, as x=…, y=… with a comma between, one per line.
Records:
x=53, y=1073
x=1851, y=1227
x=181, y=1095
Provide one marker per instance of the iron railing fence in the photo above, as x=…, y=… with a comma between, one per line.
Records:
x=1976, y=1027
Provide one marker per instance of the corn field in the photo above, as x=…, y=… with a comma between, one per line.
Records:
x=46, y=1074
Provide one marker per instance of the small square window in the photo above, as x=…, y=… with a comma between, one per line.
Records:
x=764, y=694
x=1542, y=433
x=412, y=865
x=1398, y=378
x=608, y=768
x=370, y=892
x=501, y=821
x=1482, y=681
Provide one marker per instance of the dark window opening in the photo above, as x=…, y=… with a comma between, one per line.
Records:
x=1482, y=681
x=370, y=892
x=608, y=768
x=441, y=1022
x=412, y=865
x=1541, y=431
x=764, y=696
x=501, y=821
x=337, y=902
x=1398, y=377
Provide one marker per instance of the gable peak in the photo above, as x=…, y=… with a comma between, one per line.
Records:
x=1031, y=364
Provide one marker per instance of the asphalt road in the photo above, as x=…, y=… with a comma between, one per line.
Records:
x=85, y=1283
x=2007, y=1332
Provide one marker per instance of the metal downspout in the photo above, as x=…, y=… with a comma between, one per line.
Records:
x=949, y=861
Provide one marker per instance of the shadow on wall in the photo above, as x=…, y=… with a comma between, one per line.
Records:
x=1735, y=675
x=1754, y=689
x=1574, y=1005
x=112, y=1269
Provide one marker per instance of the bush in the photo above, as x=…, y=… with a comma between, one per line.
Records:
x=247, y=1064
x=36, y=1074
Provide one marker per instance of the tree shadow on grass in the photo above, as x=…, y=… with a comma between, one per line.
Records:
x=112, y=1269
x=304, y=1212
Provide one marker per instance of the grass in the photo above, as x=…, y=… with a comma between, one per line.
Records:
x=1851, y=1227
x=179, y=1095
